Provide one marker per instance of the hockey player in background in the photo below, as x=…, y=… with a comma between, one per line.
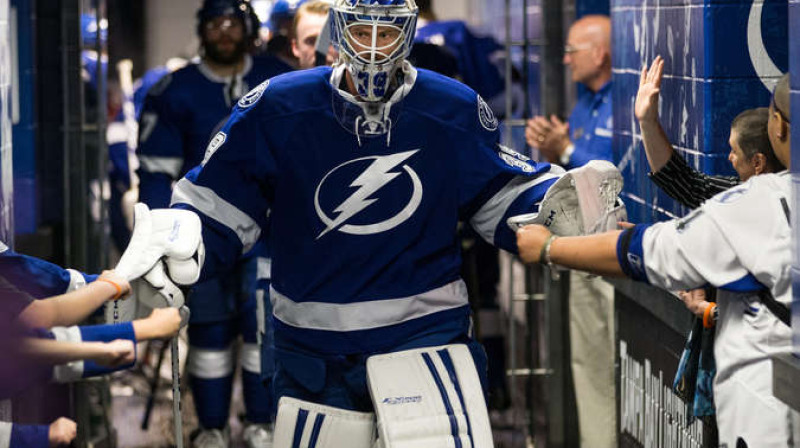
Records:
x=181, y=112
x=365, y=169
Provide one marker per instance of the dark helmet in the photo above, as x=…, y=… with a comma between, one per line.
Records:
x=241, y=9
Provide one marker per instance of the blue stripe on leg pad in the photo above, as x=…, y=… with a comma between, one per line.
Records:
x=444, y=355
x=445, y=399
x=302, y=416
x=312, y=441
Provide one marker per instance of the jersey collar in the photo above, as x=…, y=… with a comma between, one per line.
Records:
x=213, y=77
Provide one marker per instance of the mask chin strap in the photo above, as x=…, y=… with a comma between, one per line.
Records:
x=378, y=113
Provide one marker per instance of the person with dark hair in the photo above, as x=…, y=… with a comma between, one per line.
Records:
x=739, y=241
x=751, y=151
x=180, y=115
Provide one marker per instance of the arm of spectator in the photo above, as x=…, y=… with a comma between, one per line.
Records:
x=656, y=144
x=109, y=354
x=593, y=253
x=161, y=324
x=73, y=307
x=669, y=171
x=688, y=186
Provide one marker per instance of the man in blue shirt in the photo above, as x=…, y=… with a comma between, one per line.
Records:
x=587, y=135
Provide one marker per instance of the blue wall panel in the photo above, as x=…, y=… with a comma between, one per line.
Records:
x=6, y=185
x=25, y=184
x=709, y=78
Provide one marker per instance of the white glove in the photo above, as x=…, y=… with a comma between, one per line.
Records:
x=175, y=234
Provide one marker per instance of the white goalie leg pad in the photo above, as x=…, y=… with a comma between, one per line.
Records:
x=302, y=424
x=585, y=200
x=429, y=398
x=160, y=233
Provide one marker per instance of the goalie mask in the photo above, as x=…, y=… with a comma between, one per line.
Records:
x=373, y=38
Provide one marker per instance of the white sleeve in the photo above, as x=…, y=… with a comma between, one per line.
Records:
x=689, y=253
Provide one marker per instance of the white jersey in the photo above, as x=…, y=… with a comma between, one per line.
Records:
x=740, y=242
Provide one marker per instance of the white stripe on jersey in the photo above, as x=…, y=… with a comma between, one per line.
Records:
x=167, y=165
x=369, y=314
x=487, y=218
x=207, y=202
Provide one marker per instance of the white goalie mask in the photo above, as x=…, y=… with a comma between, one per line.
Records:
x=373, y=38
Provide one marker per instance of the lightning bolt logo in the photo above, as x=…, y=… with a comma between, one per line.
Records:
x=377, y=175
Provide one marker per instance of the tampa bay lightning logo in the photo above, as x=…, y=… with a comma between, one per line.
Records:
x=253, y=96
x=360, y=213
x=486, y=116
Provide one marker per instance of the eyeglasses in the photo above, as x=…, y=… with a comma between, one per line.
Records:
x=569, y=49
x=224, y=24
x=776, y=109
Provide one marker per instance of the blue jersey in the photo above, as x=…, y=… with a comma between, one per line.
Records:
x=181, y=112
x=477, y=65
x=37, y=277
x=362, y=223
x=590, y=127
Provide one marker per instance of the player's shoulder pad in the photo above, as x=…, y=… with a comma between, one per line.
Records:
x=268, y=65
x=453, y=99
x=289, y=92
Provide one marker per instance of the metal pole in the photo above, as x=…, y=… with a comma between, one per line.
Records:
x=176, y=394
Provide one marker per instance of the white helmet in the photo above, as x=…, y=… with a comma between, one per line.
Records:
x=373, y=38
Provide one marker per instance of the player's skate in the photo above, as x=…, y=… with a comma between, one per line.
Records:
x=211, y=438
x=257, y=436
x=583, y=201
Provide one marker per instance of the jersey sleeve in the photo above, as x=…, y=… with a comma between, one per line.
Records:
x=161, y=145
x=24, y=436
x=684, y=254
x=231, y=188
x=687, y=185
x=37, y=277
x=77, y=370
x=498, y=182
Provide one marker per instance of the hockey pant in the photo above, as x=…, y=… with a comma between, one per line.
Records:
x=212, y=361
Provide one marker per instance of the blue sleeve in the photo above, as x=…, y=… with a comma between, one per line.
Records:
x=106, y=333
x=36, y=277
x=30, y=436
x=231, y=189
x=497, y=182
x=630, y=253
x=161, y=144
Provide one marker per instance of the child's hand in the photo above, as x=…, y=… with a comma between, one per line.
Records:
x=62, y=432
x=116, y=353
x=163, y=323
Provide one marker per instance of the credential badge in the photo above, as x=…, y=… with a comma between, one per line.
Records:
x=485, y=114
